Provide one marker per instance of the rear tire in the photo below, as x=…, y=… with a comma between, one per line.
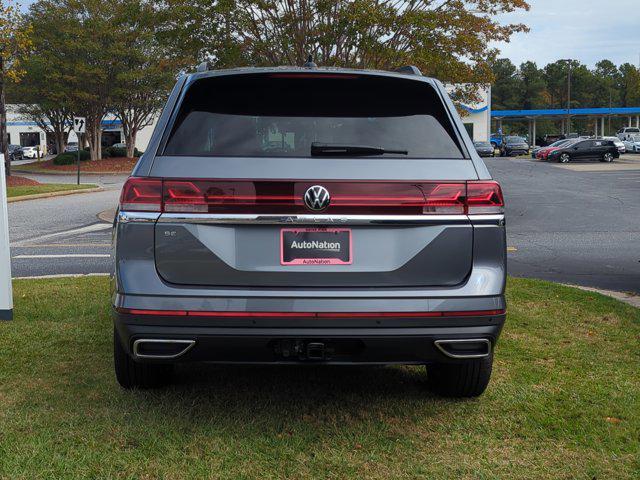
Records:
x=131, y=374
x=564, y=158
x=460, y=380
x=607, y=158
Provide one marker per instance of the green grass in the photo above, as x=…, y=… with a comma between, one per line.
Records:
x=45, y=188
x=563, y=403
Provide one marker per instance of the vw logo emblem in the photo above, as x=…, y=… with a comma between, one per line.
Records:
x=317, y=198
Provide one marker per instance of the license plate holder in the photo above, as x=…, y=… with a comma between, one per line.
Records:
x=315, y=246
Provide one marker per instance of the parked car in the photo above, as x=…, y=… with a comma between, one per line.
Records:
x=484, y=149
x=544, y=153
x=552, y=138
x=539, y=151
x=618, y=143
x=326, y=251
x=603, y=150
x=15, y=152
x=632, y=143
x=71, y=147
x=119, y=145
x=625, y=132
x=30, y=152
x=513, y=146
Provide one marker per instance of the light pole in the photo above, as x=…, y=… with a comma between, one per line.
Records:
x=568, y=60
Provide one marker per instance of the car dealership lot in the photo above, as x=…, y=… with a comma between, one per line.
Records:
x=576, y=225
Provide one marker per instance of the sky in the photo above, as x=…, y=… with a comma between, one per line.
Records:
x=584, y=30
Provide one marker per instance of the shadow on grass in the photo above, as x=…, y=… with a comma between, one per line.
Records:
x=275, y=395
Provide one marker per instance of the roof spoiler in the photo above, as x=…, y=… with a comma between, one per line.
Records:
x=409, y=70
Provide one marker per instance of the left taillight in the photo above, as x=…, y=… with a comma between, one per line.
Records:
x=141, y=195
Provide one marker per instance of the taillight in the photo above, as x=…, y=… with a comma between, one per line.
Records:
x=141, y=195
x=287, y=197
x=484, y=197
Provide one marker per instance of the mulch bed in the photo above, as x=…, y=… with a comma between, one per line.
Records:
x=14, y=181
x=112, y=165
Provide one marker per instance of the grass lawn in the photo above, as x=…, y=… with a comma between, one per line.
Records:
x=564, y=403
x=45, y=188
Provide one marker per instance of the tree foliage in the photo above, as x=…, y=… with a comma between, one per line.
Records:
x=14, y=43
x=447, y=39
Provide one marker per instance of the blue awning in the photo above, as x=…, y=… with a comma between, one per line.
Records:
x=559, y=112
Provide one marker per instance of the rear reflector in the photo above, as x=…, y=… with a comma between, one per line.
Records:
x=287, y=197
x=224, y=314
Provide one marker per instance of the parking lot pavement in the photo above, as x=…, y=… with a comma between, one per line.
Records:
x=61, y=235
x=572, y=226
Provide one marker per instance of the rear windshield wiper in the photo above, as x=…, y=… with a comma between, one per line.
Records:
x=335, y=150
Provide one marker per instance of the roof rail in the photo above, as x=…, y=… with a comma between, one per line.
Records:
x=203, y=67
x=409, y=70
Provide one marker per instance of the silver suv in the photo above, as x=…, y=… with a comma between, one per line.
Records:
x=304, y=215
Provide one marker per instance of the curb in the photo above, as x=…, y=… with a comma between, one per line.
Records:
x=62, y=275
x=49, y=172
x=107, y=216
x=628, y=298
x=62, y=193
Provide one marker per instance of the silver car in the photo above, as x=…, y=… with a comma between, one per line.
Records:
x=310, y=216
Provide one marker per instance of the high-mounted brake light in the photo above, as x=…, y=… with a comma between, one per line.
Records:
x=141, y=195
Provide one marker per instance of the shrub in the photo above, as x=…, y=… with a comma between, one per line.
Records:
x=115, y=152
x=69, y=158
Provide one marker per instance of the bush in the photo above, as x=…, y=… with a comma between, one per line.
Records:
x=69, y=158
x=115, y=152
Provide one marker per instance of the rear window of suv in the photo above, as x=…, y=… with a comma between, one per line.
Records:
x=282, y=114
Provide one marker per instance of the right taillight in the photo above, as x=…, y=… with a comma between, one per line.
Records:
x=141, y=195
x=484, y=197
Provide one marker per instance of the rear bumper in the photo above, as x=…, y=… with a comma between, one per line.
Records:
x=354, y=341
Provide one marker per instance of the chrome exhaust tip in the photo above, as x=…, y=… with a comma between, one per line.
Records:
x=161, y=348
x=464, y=348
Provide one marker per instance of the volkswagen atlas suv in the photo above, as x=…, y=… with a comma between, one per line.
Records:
x=310, y=216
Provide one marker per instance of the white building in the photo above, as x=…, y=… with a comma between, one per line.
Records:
x=478, y=118
x=24, y=132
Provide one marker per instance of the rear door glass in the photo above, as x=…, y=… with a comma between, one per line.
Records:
x=282, y=115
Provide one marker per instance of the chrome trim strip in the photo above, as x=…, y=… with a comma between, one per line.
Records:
x=440, y=343
x=484, y=219
x=189, y=344
x=214, y=218
x=138, y=217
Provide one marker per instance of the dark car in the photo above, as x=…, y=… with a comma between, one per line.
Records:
x=513, y=146
x=603, y=150
x=264, y=228
x=484, y=149
x=15, y=152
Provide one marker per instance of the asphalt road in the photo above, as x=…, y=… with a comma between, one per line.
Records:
x=63, y=235
x=571, y=224
x=567, y=224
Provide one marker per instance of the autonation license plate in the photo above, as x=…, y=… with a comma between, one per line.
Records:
x=315, y=246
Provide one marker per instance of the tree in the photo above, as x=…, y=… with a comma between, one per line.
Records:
x=145, y=73
x=531, y=86
x=504, y=91
x=14, y=43
x=43, y=97
x=446, y=39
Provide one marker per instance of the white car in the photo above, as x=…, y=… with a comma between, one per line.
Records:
x=626, y=132
x=618, y=143
x=30, y=152
x=632, y=143
x=119, y=145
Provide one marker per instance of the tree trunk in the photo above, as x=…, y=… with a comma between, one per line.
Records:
x=61, y=141
x=131, y=143
x=4, y=144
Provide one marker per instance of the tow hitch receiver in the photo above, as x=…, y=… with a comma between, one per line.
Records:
x=302, y=350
